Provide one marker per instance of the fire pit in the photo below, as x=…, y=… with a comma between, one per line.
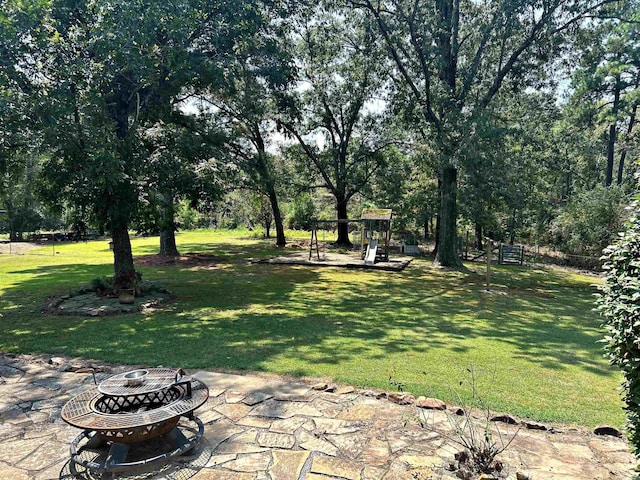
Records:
x=129, y=411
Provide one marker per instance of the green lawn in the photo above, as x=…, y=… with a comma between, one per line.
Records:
x=532, y=343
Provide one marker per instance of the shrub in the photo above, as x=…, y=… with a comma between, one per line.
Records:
x=590, y=221
x=619, y=303
x=301, y=212
x=103, y=287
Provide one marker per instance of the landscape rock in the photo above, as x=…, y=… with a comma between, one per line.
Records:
x=535, y=426
x=431, y=403
x=401, y=398
x=607, y=430
x=320, y=387
x=345, y=390
x=66, y=367
x=504, y=419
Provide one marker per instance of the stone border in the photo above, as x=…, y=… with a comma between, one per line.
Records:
x=85, y=302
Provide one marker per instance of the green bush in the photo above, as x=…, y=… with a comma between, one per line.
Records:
x=301, y=212
x=590, y=221
x=619, y=303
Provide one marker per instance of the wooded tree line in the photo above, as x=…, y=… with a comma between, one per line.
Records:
x=515, y=119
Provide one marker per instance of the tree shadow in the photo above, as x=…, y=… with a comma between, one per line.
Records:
x=238, y=315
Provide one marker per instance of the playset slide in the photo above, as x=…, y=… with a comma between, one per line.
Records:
x=372, y=248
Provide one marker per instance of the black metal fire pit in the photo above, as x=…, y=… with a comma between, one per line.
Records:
x=127, y=413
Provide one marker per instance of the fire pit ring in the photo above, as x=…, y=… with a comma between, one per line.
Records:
x=132, y=418
x=91, y=441
x=129, y=411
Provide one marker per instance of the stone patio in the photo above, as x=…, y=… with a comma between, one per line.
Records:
x=270, y=428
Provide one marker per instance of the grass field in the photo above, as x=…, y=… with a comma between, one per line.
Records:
x=532, y=342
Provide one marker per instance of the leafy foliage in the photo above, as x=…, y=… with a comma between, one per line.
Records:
x=336, y=119
x=619, y=303
x=590, y=221
x=301, y=212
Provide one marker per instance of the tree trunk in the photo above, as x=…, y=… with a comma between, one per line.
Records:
x=611, y=143
x=343, y=227
x=122, y=255
x=512, y=228
x=118, y=215
x=478, y=236
x=613, y=133
x=168, y=247
x=267, y=180
x=277, y=217
x=623, y=154
x=437, y=229
x=447, y=256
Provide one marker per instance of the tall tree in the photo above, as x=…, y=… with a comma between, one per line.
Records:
x=607, y=85
x=111, y=69
x=20, y=85
x=245, y=108
x=452, y=57
x=334, y=117
x=17, y=195
x=182, y=164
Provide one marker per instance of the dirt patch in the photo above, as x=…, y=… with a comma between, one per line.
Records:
x=187, y=260
x=18, y=248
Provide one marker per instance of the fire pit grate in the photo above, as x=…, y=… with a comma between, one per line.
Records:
x=138, y=382
x=86, y=410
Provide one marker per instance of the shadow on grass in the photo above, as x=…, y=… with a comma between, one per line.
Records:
x=239, y=315
x=301, y=320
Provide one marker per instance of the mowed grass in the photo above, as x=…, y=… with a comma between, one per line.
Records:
x=531, y=341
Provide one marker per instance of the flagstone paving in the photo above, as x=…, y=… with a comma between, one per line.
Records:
x=269, y=428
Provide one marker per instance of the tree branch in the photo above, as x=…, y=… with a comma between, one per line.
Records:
x=310, y=154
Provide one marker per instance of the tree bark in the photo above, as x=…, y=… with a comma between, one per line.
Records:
x=277, y=217
x=119, y=216
x=613, y=133
x=122, y=255
x=478, y=236
x=266, y=178
x=611, y=143
x=447, y=241
x=438, y=217
x=168, y=247
x=343, y=227
x=623, y=154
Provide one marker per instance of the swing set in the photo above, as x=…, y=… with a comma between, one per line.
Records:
x=375, y=234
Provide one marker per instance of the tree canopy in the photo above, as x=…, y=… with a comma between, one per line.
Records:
x=501, y=116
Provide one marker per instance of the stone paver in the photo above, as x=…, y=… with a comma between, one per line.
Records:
x=268, y=428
